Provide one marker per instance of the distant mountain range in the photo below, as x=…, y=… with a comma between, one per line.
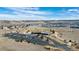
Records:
x=43, y=23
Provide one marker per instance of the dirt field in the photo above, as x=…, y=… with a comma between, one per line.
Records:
x=9, y=44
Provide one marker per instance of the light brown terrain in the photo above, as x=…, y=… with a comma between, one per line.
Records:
x=15, y=36
x=9, y=44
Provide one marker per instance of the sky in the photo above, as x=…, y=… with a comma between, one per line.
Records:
x=39, y=13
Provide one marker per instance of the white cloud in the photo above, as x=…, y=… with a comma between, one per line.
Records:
x=73, y=10
x=22, y=13
x=23, y=17
x=27, y=10
x=26, y=14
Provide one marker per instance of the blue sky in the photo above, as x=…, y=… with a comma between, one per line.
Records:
x=39, y=13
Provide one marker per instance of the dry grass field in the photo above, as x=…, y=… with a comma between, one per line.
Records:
x=9, y=44
x=16, y=36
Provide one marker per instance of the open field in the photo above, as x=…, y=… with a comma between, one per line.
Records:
x=17, y=36
x=11, y=45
